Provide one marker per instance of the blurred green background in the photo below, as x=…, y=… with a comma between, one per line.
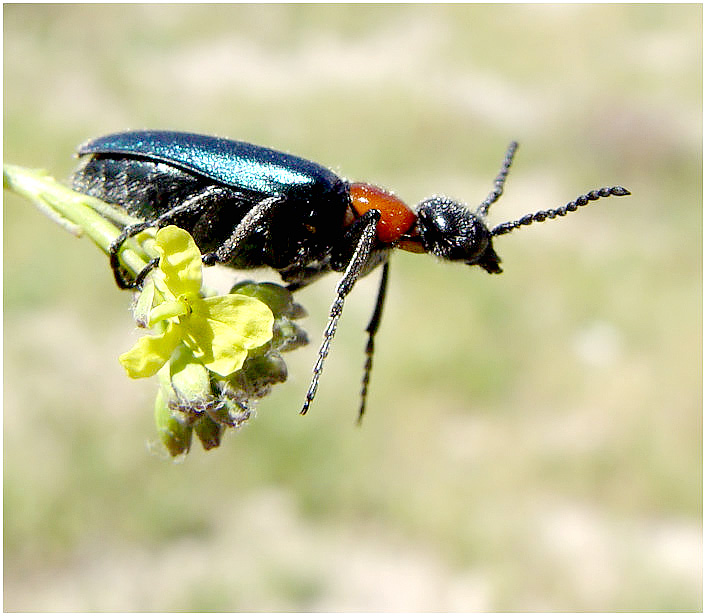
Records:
x=533, y=440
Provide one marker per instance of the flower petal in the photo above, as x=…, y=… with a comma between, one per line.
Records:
x=180, y=260
x=150, y=353
x=222, y=329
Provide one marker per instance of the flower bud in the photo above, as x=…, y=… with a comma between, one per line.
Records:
x=208, y=431
x=189, y=382
x=174, y=433
x=278, y=299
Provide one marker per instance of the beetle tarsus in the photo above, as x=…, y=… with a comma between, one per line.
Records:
x=119, y=271
x=140, y=279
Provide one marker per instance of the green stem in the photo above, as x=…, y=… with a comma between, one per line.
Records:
x=77, y=213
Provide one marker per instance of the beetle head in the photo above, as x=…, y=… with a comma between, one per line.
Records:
x=450, y=231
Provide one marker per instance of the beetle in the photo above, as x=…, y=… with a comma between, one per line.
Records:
x=249, y=206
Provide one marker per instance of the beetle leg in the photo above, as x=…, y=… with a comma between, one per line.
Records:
x=364, y=247
x=193, y=204
x=245, y=228
x=118, y=272
x=140, y=279
x=372, y=330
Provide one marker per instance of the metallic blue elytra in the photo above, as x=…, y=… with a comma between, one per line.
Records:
x=232, y=163
x=209, y=186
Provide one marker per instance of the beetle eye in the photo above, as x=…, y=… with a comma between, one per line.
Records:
x=450, y=231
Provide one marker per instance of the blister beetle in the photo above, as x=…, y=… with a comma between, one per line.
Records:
x=248, y=206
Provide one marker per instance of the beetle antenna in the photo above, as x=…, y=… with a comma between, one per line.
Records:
x=571, y=206
x=499, y=182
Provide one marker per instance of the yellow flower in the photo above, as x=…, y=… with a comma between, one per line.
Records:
x=217, y=330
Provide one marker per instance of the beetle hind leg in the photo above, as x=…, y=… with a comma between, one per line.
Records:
x=119, y=272
x=193, y=205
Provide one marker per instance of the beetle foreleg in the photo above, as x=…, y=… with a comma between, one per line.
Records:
x=359, y=258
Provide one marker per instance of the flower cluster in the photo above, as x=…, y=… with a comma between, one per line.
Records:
x=214, y=355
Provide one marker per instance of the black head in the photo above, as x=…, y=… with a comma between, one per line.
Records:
x=451, y=231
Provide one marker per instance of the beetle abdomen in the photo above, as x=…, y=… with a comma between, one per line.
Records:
x=152, y=172
x=147, y=189
x=144, y=188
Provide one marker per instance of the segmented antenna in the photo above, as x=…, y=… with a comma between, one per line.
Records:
x=499, y=182
x=571, y=206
